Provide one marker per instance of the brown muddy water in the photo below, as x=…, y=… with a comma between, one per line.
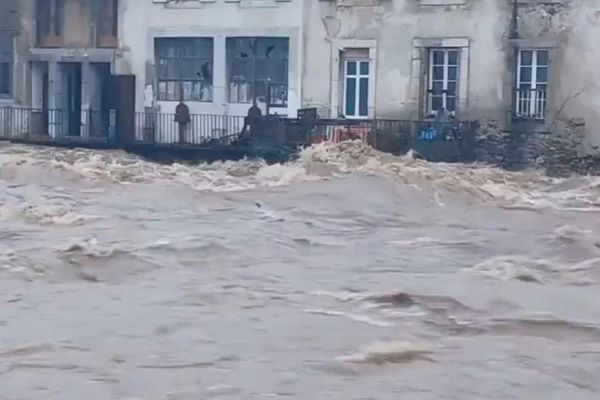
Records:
x=344, y=275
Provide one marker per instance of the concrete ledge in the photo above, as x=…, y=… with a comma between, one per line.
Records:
x=72, y=55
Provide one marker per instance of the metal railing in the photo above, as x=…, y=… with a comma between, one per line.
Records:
x=162, y=128
x=33, y=124
x=436, y=141
x=440, y=141
x=530, y=103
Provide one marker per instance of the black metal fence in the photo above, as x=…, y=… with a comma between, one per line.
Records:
x=45, y=125
x=162, y=128
x=436, y=141
x=87, y=126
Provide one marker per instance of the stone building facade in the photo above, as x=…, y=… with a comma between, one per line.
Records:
x=519, y=68
x=514, y=66
x=63, y=54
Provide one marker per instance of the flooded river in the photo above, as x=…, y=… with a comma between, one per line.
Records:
x=346, y=274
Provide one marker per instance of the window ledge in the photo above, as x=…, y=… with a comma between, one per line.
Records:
x=534, y=43
x=533, y=125
x=441, y=42
x=442, y=3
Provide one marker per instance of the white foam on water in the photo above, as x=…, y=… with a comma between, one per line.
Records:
x=52, y=214
x=93, y=248
x=354, y=317
x=541, y=271
x=393, y=352
x=524, y=190
x=343, y=296
x=19, y=266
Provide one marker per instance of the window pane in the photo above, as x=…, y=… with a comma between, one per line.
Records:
x=364, y=97
x=267, y=55
x=452, y=73
x=5, y=78
x=162, y=90
x=542, y=57
x=525, y=74
x=436, y=103
x=542, y=74
x=437, y=87
x=351, y=68
x=453, y=57
x=526, y=57
x=525, y=86
x=438, y=73
x=184, y=68
x=350, y=97
x=364, y=68
x=452, y=88
x=438, y=57
x=451, y=103
x=272, y=48
x=171, y=95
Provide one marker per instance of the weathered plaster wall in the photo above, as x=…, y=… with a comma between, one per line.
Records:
x=395, y=24
x=575, y=87
x=141, y=21
x=569, y=27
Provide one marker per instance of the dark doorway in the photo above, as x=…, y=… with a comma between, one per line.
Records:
x=98, y=87
x=73, y=80
x=45, y=112
x=122, y=99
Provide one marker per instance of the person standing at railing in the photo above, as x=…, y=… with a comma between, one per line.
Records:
x=182, y=117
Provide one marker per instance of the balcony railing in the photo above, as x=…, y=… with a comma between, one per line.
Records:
x=531, y=104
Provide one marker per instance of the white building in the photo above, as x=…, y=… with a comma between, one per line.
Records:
x=215, y=55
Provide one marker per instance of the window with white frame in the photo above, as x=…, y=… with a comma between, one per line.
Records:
x=442, y=80
x=532, y=84
x=184, y=68
x=356, y=88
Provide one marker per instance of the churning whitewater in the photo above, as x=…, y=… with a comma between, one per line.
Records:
x=345, y=274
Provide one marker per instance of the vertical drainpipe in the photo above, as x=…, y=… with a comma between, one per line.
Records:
x=514, y=34
x=514, y=29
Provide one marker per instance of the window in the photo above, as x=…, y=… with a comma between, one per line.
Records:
x=6, y=57
x=532, y=84
x=184, y=69
x=49, y=22
x=258, y=70
x=107, y=14
x=443, y=81
x=356, y=88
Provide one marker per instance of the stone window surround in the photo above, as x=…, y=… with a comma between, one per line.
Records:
x=533, y=44
x=337, y=80
x=420, y=61
x=192, y=4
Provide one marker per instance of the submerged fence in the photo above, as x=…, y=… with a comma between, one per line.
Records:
x=439, y=141
x=433, y=140
x=87, y=126
x=44, y=125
